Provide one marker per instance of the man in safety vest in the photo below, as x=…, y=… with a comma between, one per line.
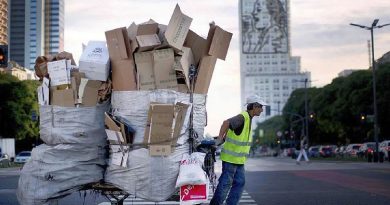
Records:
x=236, y=132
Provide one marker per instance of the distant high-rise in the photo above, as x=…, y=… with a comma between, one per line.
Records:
x=267, y=67
x=3, y=22
x=54, y=26
x=36, y=28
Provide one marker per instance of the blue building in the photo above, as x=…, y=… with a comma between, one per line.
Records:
x=36, y=27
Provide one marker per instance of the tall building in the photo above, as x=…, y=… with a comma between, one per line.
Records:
x=54, y=26
x=36, y=28
x=267, y=67
x=3, y=22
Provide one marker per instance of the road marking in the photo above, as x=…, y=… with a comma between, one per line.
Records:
x=245, y=200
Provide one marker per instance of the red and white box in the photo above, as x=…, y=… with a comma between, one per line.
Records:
x=194, y=194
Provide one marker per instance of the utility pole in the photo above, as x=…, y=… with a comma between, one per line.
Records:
x=371, y=29
x=306, y=116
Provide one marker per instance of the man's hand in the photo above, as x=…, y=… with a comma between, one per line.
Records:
x=219, y=141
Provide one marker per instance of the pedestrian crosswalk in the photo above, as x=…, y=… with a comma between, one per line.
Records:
x=131, y=200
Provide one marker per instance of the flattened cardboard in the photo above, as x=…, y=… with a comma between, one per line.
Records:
x=147, y=28
x=63, y=98
x=220, y=43
x=144, y=62
x=180, y=115
x=123, y=75
x=161, y=122
x=147, y=42
x=118, y=44
x=177, y=29
x=90, y=95
x=205, y=73
x=198, y=45
x=164, y=74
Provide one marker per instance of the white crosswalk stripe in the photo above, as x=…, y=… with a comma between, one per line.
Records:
x=131, y=200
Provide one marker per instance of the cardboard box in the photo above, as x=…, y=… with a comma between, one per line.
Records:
x=134, y=30
x=147, y=42
x=205, y=73
x=177, y=29
x=144, y=63
x=58, y=73
x=164, y=74
x=123, y=75
x=193, y=193
x=94, y=61
x=118, y=44
x=63, y=98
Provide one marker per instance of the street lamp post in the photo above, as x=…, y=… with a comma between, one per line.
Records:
x=371, y=29
x=306, y=116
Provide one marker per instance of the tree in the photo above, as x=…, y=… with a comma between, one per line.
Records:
x=18, y=100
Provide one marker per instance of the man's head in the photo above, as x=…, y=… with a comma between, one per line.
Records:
x=254, y=105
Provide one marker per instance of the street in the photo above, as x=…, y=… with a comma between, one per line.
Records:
x=271, y=181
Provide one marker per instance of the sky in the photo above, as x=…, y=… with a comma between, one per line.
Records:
x=319, y=33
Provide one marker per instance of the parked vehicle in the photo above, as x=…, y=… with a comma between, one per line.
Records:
x=326, y=151
x=384, y=147
x=22, y=157
x=314, y=151
x=7, y=146
x=352, y=149
x=366, y=149
x=340, y=151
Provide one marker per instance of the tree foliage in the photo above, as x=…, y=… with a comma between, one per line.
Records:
x=18, y=101
x=338, y=107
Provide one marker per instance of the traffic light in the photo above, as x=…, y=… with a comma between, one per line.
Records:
x=3, y=56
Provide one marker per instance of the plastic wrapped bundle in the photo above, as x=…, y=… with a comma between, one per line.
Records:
x=55, y=171
x=65, y=125
x=152, y=178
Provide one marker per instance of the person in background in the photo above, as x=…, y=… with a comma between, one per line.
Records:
x=236, y=132
x=302, y=151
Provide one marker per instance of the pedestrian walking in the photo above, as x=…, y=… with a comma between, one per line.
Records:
x=302, y=151
x=236, y=132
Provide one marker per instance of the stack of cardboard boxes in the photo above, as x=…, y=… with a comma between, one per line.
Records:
x=66, y=85
x=152, y=56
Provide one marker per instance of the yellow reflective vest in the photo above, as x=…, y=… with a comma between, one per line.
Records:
x=236, y=147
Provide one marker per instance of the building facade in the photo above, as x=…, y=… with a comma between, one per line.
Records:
x=36, y=28
x=266, y=65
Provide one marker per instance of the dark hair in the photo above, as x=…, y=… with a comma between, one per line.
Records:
x=251, y=106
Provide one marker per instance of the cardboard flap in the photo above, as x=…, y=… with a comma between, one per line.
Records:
x=220, y=43
x=198, y=45
x=118, y=44
x=147, y=42
x=90, y=95
x=148, y=28
x=132, y=31
x=205, y=73
x=177, y=29
x=110, y=123
x=180, y=115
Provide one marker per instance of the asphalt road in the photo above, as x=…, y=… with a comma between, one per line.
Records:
x=271, y=181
